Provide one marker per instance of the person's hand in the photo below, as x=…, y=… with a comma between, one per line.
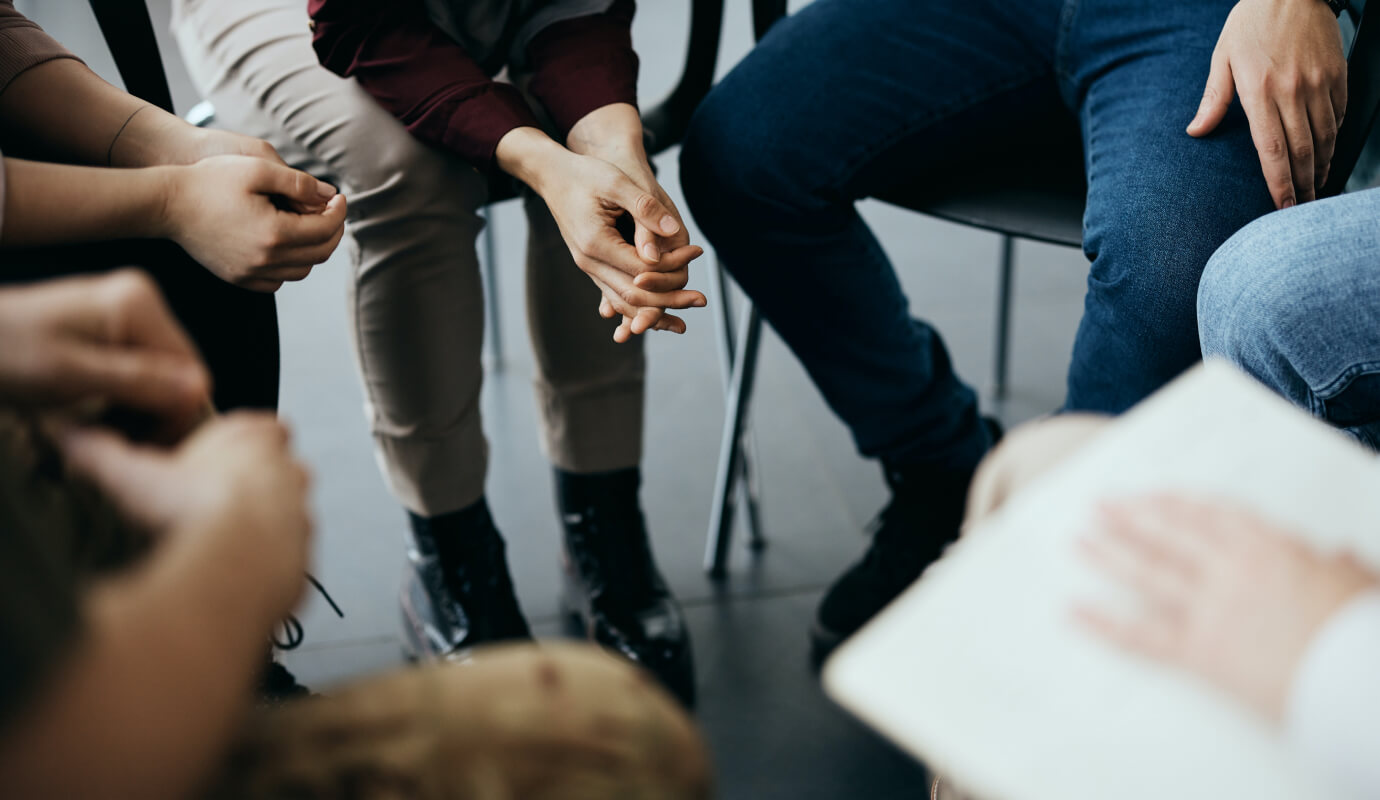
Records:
x=1284, y=59
x=234, y=486
x=227, y=213
x=587, y=197
x=1023, y=455
x=106, y=340
x=155, y=138
x=1222, y=593
x=613, y=133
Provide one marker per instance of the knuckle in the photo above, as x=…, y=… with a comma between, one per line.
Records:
x=273, y=239
x=1303, y=152
x=260, y=170
x=130, y=285
x=1272, y=147
x=645, y=205
x=629, y=295
x=586, y=243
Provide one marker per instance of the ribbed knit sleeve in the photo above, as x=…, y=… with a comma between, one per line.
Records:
x=23, y=44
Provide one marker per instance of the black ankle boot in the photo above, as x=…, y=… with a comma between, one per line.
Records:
x=456, y=590
x=923, y=517
x=612, y=583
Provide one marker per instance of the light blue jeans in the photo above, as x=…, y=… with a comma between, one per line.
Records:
x=1294, y=299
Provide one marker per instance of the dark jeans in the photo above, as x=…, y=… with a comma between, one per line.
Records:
x=846, y=99
x=236, y=330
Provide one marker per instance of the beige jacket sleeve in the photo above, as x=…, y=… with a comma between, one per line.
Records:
x=23, y=44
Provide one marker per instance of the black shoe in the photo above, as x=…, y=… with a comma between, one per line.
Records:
x=612, y=583
x=456, y=591
x=277, y=685
x=923, y=517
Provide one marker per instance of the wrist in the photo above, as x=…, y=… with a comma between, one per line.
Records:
x=153, y=137
x=529, y=155
x=611, y=130
x=162, y=201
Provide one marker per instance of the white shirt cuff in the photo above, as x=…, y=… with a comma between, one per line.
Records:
x=1332, y=714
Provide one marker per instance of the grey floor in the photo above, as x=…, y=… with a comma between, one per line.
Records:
x=773, y=733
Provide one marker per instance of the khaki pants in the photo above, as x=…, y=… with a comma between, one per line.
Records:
x=517, y=721
x=416, y=303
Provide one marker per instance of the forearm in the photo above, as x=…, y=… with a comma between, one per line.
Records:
x=37, y=113
x=419, y=74
x=586, y=63
x=54, y=204
x=150, y=702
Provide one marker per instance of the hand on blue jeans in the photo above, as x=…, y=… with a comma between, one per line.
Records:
x=1284, y=58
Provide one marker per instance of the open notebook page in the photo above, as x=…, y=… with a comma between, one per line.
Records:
x=979, y=670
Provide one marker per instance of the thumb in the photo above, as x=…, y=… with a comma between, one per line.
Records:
x=293, y=184
x=1217, y=97
x=137, y=479
x=645, y=209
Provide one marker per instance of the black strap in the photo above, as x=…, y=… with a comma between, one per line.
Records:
x=128, y=33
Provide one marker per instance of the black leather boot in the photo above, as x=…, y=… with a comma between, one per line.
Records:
x=612, y=583
x=923, y=517
x=456, y=591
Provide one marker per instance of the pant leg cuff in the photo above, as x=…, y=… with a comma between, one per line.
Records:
x=593, y=432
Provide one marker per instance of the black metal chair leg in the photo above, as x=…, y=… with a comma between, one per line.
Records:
x=730, y=446
x=1003, y=335
x=495, y=326
x=746, y=491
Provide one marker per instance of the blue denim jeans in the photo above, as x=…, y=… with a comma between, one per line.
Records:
x=847, y=98
x=1294, y=299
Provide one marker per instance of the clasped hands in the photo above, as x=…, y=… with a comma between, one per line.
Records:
x=601, y=176
x=231, y=202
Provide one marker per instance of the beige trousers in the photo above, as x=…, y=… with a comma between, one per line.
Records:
x=563, y=721
x=416, y=302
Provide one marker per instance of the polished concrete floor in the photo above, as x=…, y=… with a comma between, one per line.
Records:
x=773, y=733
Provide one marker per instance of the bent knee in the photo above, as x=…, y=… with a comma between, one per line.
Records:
x=736, y=163
x=1265, y=284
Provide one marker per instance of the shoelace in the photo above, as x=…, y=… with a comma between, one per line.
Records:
x=291, y=631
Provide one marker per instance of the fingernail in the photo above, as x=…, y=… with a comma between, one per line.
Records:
x=698, y=303
x=324, y=189
x=1288, y=202
x=649, y=252
x=669, y=225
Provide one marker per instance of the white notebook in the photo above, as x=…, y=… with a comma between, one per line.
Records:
x=979, y=671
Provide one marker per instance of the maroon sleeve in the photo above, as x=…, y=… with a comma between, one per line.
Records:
x=583, y=64
x=420, y=75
